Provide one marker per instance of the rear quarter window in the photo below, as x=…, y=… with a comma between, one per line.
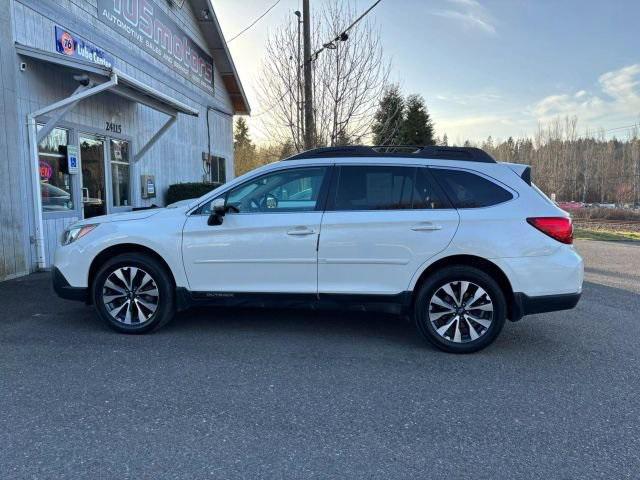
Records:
x=469, y=190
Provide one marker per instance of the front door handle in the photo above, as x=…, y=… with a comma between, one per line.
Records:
x=426, y=227
x=300, y=231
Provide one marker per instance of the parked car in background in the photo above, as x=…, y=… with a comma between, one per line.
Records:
x=569, y=206
x=446, y=235
x=54, y=198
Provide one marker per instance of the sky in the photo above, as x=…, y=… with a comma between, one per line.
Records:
x=484, y=67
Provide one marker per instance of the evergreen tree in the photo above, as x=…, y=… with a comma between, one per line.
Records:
x=343, y=139
x=287, y=149
x=445, y=141
x=388, y=119
x=243, y=148
x=417, y=128
x=241, y=137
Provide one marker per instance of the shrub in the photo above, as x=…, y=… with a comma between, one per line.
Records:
x=186, y=191
x=596, y=213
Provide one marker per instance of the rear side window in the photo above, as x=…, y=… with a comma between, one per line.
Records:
x=468, y=190
x=427, y=195
x=377, y=187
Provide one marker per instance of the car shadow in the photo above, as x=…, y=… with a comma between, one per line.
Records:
x=323, y=325
x=535, y=333
x=603, y=310
x=593, y=325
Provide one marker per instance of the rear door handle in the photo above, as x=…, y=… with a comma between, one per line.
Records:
x=426, y=227
x=300, y=231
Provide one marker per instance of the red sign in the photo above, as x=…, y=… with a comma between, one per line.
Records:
x=45, y=170
x=67, y=43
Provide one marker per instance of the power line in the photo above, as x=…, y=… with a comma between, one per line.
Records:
x=338, y=38
x=343, y=35
x=635, y=125
x=254, y=22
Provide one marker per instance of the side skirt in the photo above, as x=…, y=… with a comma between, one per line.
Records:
x=398, y=303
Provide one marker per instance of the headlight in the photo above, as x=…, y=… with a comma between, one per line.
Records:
x=74, y=233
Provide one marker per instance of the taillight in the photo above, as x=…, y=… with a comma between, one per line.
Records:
x=558, y=228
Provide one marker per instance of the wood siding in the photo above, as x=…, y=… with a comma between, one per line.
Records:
x=14, y=200
x=177, y=157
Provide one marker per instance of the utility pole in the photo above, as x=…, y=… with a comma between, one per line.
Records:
x=299, y=101
x=309, y=131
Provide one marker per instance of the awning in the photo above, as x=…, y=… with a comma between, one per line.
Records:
x=126, y=86
x=94, y=79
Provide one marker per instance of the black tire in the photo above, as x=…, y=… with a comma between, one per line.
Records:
x=451, y=275
x=165, y=309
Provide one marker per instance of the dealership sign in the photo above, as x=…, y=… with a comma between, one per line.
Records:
x=74, y=46
x=148, y=26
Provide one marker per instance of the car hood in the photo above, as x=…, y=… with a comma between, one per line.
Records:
x=121, y=217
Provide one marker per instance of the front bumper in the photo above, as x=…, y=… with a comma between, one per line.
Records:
x=64, y=290
x=526, y=305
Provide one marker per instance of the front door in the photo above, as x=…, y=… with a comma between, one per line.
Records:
x=94, y=191
x=268, y=244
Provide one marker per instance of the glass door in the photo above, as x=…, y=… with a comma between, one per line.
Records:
x=94, y=192
x=120, y=173
x=56, y=185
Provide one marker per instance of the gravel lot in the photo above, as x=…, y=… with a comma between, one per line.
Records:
x=290, y=394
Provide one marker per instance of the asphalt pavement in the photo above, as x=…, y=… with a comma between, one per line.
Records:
x=263, y=394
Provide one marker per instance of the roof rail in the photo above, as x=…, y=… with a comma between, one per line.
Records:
x=469, y=154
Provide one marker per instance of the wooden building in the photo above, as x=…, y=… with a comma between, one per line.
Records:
x=103, y=105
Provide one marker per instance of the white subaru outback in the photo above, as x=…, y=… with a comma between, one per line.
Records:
x=448, y=236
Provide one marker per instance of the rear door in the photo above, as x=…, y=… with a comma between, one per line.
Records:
x=381, y=224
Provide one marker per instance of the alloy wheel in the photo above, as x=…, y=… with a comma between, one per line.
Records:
x=460, y=311
x=130, y=295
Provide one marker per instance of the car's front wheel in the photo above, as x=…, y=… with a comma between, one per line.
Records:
x=134, y=293
x=460, y=309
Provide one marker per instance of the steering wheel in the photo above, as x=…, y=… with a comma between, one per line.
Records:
x=269, y=201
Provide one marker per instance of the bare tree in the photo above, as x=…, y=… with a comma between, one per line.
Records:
x=587, y=168
x=348, y=78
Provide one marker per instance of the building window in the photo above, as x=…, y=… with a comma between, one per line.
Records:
x=218, y=169
x=120, y=175
x=55, y=182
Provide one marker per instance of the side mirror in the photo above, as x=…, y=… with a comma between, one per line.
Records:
x=217, y=212
x=218, y=206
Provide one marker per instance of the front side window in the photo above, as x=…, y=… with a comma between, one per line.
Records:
x=468, y=190
x=295, y=190
x=120, y=178
x=55, y=181
x=373, y=187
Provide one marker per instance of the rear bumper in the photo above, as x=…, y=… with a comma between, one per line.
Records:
x=64, y=290
x=526, y=305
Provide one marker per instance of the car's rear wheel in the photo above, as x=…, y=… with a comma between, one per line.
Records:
x=134, y=293
x=460, y=309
